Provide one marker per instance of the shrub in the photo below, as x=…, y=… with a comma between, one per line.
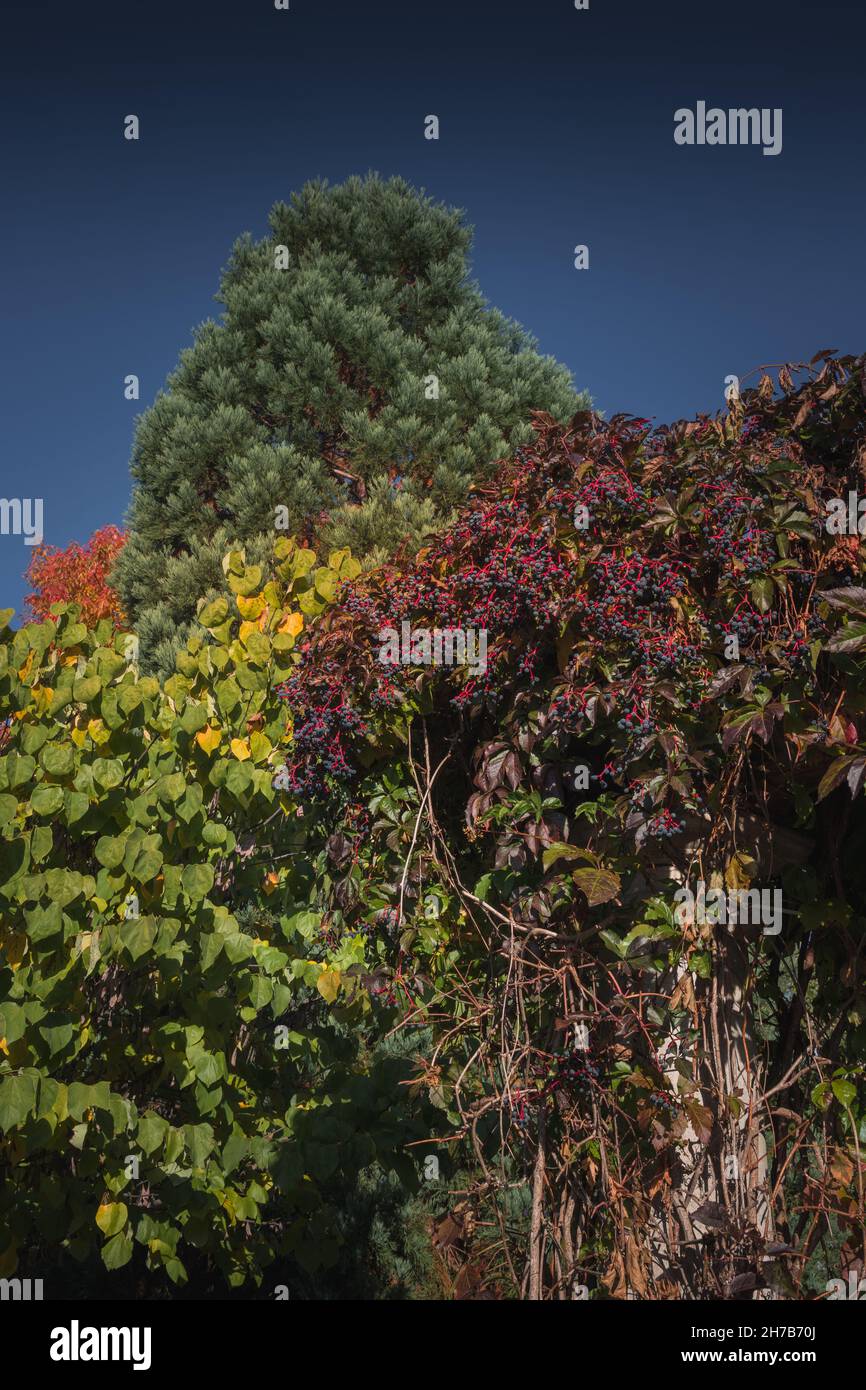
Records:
x=184, y=1061
x=79, y=575
x=674, y=694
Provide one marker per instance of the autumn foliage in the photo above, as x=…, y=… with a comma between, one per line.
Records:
x=78, y=574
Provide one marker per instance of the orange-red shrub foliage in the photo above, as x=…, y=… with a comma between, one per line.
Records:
x=78, y=574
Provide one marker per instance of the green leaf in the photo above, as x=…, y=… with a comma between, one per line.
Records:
x=110, y=850
x=235, y=1149
x=86, y=688
x=598, y=885
x=762, y=591
x=117, y=1252
x=239, y=778
x=194, y=717
x=212, y=614
x=850, y=638
x=821, y=1095
x=58, y=759
x=108, y=772
x=44, y=922
x=844, y=1091
x=560, y=850
x=152, y=1130
x=17, y=1100
x=200, y=1142
x=129, y=696
x=138, y=936
x=45, y=800
x=197, y=881
x=20, y=767
x=172, y=787
x=33, y=736
x=111, y=1218
x=76, y=804
x=88, y=1097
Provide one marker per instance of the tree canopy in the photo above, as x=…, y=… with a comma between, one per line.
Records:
x=355, y=386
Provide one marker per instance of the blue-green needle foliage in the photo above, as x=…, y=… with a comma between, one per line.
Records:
x=355, y=386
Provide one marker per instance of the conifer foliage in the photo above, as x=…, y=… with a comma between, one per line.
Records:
x=357, y=384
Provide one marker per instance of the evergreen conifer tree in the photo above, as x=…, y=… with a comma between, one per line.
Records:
x=356, y=385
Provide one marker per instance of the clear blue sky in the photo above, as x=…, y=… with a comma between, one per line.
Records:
x=556, y=128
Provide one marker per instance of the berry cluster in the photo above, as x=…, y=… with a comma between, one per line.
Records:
x=664, y=1100
x=746, y=623
x=664, y=826
x=324, y=725
x=732, y=536
x=608, y=494
x=577, y=1068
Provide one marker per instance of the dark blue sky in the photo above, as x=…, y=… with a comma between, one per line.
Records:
x=556, y=128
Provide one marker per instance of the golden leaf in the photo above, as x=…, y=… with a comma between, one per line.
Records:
x=251, y=607
x=293, y=623
x=328, y=984
x=208, y=739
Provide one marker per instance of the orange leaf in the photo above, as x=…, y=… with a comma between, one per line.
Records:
x=208, y=739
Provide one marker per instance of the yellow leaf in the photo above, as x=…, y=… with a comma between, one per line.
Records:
x=208, y=739
x=98, y=731
x=43, y=697
x=271, y=882
x=79, y=737
x=4, y=1047
x=740, y=871
x=251, y=607
x=111, y=1217
x=293, y=623
x=241, y=749
x=328, y=984
x=24, y=671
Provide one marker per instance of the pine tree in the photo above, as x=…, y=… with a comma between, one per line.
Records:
x=356, y=385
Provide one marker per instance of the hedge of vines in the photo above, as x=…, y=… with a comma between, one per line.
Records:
x=220, y=895
x=655, y=1105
